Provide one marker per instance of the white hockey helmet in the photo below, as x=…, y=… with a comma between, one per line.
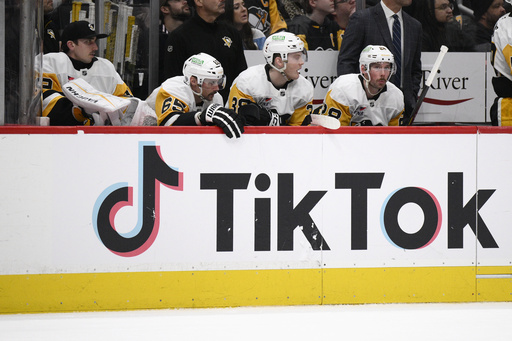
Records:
x=376, y=54
x=282, y=43
x=204, y=67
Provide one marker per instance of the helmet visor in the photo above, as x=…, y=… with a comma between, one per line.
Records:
x=298, y=55
x=212, y=82
x=305, y=55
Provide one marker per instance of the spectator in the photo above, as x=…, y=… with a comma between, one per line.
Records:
x=367, y=98
x=193, y=99
x=374, y=26
x=343, y=9
x=77, y=61
x=486, y=14
x=274, y=93
x=440, y=28
x=501, y=110
x=265, y=16
x=315, y=29
x=289, y=9
x=203, y=33
x=11, y=88
x=51, y=42
x=236, y=14
x=173, y=13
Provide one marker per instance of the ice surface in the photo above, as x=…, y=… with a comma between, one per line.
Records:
x=458, y=321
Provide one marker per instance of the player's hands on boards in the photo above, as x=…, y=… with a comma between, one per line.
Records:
x=227, y=119
x=256, y=115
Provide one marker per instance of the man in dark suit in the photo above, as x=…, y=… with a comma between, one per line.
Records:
x=374, y=26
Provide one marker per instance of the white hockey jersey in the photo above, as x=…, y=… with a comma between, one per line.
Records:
x=502, y=46
x=346, y=100
x=501, y=59
x=252, y=85
x=58, y=69
x=174, y=96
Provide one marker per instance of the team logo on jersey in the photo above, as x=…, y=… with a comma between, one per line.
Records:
x=51, y=33
x=70, y=78
x=258, y=18
x=227, y=41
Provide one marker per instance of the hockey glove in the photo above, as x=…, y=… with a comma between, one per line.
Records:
x=256, y=115
x=231, y=123
x=307, y=120
x=105, y=108
x=367, y=123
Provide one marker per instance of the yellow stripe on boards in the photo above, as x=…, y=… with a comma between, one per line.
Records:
x=494, y=283
x=399, y=285
x=151, y=290
x=201, y=289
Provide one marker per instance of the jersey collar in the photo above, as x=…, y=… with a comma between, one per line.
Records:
x=78, y=65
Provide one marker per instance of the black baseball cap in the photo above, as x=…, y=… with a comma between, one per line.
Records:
x=480, y=7
x=80, y=30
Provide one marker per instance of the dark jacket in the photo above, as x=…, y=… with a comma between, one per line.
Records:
x=219, y=39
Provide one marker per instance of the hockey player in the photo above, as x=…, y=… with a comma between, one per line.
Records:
x=367, y=98
x=193, y=99
x=77, y=60
x=501, y=47
x=276, y=89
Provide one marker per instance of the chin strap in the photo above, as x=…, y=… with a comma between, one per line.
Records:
x=200, y=94
x=281, y=70
x=366, y=83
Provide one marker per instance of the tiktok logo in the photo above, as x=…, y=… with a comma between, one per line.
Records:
x=153, y=173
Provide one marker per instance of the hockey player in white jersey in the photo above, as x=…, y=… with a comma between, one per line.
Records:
x=193, y=99
x=274, y=93
x=501, y=49
x=78, y=60
x=367, y=98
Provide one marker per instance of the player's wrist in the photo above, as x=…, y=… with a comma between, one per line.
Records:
x=197, y=118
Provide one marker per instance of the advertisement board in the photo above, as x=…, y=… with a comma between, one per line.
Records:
x=296, y=215
x=209, y=197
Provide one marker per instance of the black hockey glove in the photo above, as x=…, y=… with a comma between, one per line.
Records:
x=307, y=120
x=256, y=115
x=366, y=123
x=231, y=123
